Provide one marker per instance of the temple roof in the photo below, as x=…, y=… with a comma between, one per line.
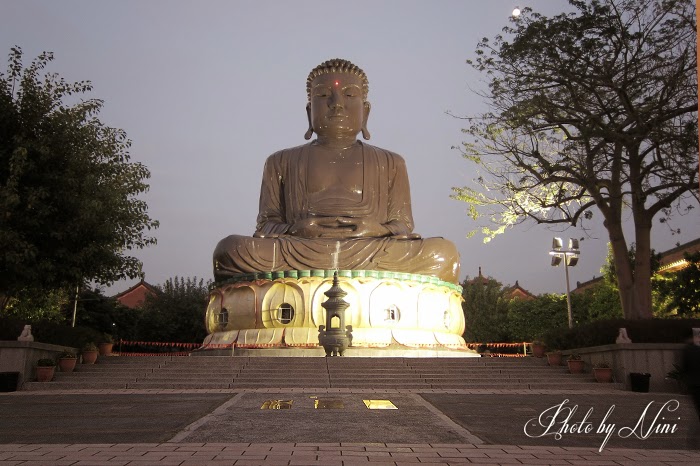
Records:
x=135, y=296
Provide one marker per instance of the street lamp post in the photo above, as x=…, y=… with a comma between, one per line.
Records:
x=570, y=258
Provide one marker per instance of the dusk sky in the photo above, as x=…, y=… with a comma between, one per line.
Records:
x=207, y=90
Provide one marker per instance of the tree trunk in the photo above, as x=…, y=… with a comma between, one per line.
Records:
x=641, y=291
x=623, y=269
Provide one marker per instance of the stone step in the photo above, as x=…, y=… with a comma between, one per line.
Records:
x=88, y=377
x=178, y=373
x=179, y=385
x=103, y=370
x=292, y=372
x=276, y=378
x=281, y=384
x=60, y=385
x=476, y=370
x=511, y=380
x=119, y=360
x=477, y=362
x=336, y=374
x=592, y=385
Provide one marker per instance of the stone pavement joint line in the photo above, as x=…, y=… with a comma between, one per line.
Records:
x=183, y=434
x=451, y=425
x=330, y=453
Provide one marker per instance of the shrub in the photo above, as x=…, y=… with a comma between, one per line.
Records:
x=89, y=347
x=604, y=332
x=48, y=332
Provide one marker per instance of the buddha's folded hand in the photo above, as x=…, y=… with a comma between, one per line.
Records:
x=363, y=227
x=320, y=227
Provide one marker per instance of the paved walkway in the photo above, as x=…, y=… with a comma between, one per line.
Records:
x=201, y=427
x=331, y=454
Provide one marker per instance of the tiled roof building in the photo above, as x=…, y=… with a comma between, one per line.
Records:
x=135, y=296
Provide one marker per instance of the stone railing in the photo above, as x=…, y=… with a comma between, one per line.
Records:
x=656, y=359
x=22, y=356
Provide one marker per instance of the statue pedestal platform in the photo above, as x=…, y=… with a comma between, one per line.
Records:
x=396, y=351
x=391, y=314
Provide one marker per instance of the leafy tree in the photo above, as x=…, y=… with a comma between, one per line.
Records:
x=608, y=269
x=68, y=193
x=591, y=111
x=485, y=310
x=105, y=314
x=598, y=303
x=529, y=320
x=659, y=302
x=681, y=290
x=532, y=319
x=31, y=307
x=176, y=314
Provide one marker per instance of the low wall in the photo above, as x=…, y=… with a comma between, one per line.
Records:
x=21, y=356
x=656, y=359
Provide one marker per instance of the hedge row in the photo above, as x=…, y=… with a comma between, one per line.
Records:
x=604, y=332
x=50, y=332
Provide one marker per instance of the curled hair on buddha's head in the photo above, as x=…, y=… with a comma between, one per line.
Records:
x=337, y=65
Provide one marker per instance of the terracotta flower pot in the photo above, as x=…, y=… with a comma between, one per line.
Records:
x=67, y=364
x=603, y=374
x=554, y=359
x=576, y=366
x=105, y=349
x=89, y=357
x=538, y=350
x=45, y=373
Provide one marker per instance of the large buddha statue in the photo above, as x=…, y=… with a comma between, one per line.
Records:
x=336, y=202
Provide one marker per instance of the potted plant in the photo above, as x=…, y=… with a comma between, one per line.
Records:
x=45, y=368
x=67, y=361
x=575, y=364
x=89, y=353
x=602, y=372
x=554, y=358
x=538, y=349
x=105, y=346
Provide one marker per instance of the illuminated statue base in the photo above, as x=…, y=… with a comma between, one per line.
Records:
x=387, y=311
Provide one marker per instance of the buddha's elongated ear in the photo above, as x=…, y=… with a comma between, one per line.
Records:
x=310, y=131
x=365, y=131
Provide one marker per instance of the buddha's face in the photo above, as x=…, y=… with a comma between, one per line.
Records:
x=336, y=107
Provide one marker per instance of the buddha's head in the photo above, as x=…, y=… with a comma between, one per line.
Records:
x=337, y=100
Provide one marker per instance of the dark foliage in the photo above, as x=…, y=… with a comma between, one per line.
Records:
x=68, y=192
x=49, y=332
x=176, y=314
x=604, y=332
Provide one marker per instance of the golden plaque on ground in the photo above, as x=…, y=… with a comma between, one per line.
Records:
x=328, y=403
x=379, y=404
x=277, y=404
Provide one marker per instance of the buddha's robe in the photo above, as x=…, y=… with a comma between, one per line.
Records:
x=384, y=197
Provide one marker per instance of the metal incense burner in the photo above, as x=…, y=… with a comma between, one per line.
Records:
x=335, y=336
